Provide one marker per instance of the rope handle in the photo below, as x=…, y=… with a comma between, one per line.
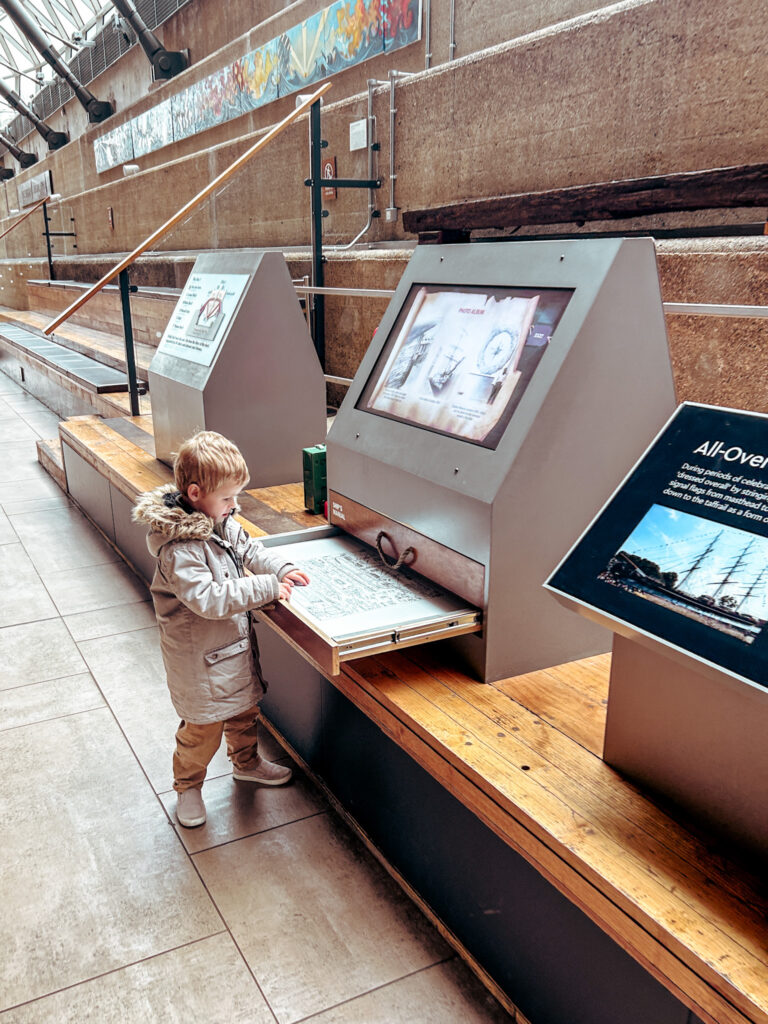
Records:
x=393, y=563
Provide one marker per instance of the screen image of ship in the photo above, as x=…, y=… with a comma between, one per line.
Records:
x=712, y=573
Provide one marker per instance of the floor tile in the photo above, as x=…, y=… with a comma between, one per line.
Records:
x=338, y=925
x=94, y=877
x=206, y=982
x=45, y=422
x=36, y=651
x=6, y=413
x=95, y=586
x=109, y=621
x=19, y=461
x=444, y=994
x=25, y=490
x=62, y=538
x=238, y=809
x=7, y=532
x=27, y=599
x=40, y=702
x=16, y=430
x=8, y=386
x=57, y=500
x=129, y=671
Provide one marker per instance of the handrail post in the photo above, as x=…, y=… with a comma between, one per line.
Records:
x=51, y=272
x=130, y=358
x=316, y=193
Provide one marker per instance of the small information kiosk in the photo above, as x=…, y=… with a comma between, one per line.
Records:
x=505, y=390
x=237, y=357
x=676, y=564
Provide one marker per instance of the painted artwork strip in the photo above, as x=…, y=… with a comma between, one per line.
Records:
x=153, y=129
x=344, y=34
x=114, y=148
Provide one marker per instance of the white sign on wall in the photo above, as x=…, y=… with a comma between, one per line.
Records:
x=202, y=315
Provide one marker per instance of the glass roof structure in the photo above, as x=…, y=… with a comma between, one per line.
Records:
x=22, y=69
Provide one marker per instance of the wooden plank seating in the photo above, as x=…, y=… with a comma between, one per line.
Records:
x=524, y=756
x=133, y=469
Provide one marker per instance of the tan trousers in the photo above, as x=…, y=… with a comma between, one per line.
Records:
x=196, y=745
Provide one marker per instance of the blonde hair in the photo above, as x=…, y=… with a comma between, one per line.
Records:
x=208, y=460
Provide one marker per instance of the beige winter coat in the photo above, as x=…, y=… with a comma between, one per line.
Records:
x=202, y=598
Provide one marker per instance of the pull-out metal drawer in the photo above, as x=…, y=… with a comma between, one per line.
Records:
x=355, y=606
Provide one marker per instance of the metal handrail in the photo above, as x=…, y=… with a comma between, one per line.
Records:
x=673, y=308
x=713, y=309
x=187, y=208
x=369, y=293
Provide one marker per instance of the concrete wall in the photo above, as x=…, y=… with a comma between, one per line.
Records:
x=635, y=88
x=643, y=87
x=216, y=34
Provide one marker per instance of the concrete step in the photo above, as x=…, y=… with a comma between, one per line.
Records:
x=104, y=347
x=151, y=308
x=66, y=381
x=51, y=459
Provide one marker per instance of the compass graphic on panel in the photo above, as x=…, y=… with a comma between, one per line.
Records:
x=497, y=350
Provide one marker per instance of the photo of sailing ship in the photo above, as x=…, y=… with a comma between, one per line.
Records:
x=714, y=574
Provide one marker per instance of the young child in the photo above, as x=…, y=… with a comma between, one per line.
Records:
x=203, y=600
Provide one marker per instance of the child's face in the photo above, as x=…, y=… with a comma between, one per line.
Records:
x=217, y=504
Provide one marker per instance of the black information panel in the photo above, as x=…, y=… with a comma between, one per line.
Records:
x=681, y=550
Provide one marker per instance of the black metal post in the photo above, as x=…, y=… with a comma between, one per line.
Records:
x=130, y=358
x=51, y=272
x=318, y=270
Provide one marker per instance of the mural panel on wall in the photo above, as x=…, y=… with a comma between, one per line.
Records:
x=114, y=148
x=257, y=76
x=340, y=36
x=153, y=129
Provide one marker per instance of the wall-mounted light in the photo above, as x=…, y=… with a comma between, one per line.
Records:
x=131, y=169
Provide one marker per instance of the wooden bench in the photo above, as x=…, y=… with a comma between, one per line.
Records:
x=523, y=756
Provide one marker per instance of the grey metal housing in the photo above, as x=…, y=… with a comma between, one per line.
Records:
x=602, y=389
x=264, y=389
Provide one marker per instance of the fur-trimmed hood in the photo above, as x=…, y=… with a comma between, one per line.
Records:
x=168, y=517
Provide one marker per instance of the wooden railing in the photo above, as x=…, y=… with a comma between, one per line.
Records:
x=185, y=210
x=24, y=216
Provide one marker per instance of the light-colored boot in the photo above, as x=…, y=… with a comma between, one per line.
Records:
x=266, y=773
x=190, y=809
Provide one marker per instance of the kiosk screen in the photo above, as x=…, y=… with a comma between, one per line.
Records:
x=458, y=359
x=681, y=550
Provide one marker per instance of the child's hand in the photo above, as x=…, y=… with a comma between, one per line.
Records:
x=296, y=576
x=286, y=586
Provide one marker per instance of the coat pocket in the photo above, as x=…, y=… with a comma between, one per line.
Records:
x=228, y=651
x=230, y=668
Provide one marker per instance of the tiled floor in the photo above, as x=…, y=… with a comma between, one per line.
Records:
x=271, y=912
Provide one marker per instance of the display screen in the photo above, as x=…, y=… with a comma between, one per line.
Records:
x=681, y=551
x=458, y=359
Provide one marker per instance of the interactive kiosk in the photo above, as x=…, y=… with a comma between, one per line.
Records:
x=505, y=390
x=237, y=357
x=676, y=564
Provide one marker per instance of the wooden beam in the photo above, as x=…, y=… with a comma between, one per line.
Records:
x=723, y=187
